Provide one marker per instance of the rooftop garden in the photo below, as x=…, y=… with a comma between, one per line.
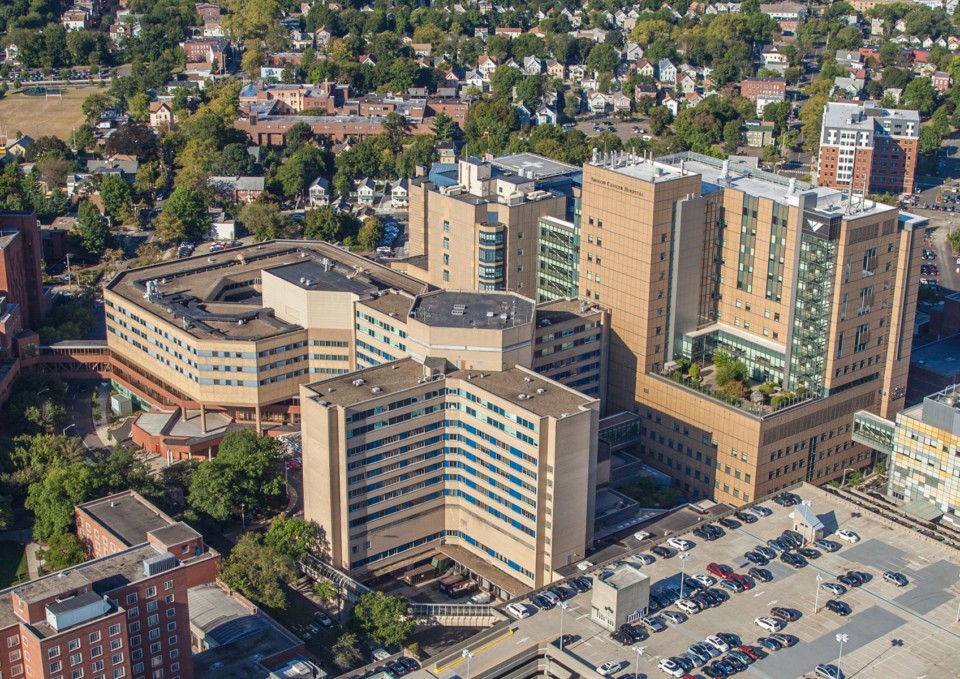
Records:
x=728, y=379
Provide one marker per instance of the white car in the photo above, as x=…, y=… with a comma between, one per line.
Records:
x=705, y=579
x=518, y=610
x=608, y=668
x=670, y=667
x=769, y=624
x=680, y=544
x=645, y=559
x=717, y=643
x=688, y=607
x=848, y=535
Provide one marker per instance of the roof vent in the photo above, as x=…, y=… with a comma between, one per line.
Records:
x=376, y=390
x=541, y=390
x=528, y=379
x=522, y=397
x=359, y=382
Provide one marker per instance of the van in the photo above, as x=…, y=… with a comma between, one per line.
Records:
x=518, y=610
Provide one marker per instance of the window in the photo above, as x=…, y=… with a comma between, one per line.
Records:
x=114, y=630
x=76, y=658
x=168, y=599
x=53, y=651
x=55, y=666
x=171, y=626
x=131, y=598
x=151, y=591
x=154, y=634
x=175, y=653
x=135, y=641
x=97, y=666
x=446, y=275
x=116, y=644
x=116, y=658
x=119, y=672
x=94, y=637
x=446, y=243
x=77, y=673
x=133, y=613
x=172, y=640
x=152, y=606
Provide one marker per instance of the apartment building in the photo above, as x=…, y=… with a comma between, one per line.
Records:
x=752, y=88
x=117, y=616
x=812, y=291
x=117, y=522
x=868, y=149
x=239, y=332
x=474, y=226
x=491, y=468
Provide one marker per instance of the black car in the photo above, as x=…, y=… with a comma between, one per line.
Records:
x=704, y=535
x=620, y=638
x=581, y=584
x=848, y=581
x=694, y=585
x=809, y=553
x=411, y=664
x=732, y=640
x=737, y=664
x=839, y=607
x=712, y=672
x=397, y=669
x=662, y=552
x=761, y=574
x=785, y=614
x=746, y=518
x=562, y=593
x=719, y=596
x=769, y=644
x=541, y=602
x=565, y=640
x=635, y=633
x=715, y=530
x=793, y=537
x=727, y=522
x=862, y=578
x=793, y=559
x=758, y=559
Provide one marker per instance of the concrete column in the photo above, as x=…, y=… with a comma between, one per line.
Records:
x=203, y=418
x=259, y=421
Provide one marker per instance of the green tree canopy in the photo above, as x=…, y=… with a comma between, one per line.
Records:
x=258, y=572
x=383, y=618
x=184, y=217
x=64, y=551
x=244, y=472
x=92, y=228
x=295, y=538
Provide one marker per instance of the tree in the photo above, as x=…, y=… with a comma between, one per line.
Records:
x=383, y=618
x=727, y=370
x=244, y=476
x=294, y=538
x=184, y=217
x=258, y=572
x=115, y=194
x=94, y=105
x=346, y=654
x=52, y=499
x=265, y=221
x=919, y=95
x=234, y=161
x=92, y=228
x=776, y=112
x=370, y=234
x=731, y=135
x=659, y=120
x=324, y=224
x=954, y=240
x=135, y=139
x=930, y=140
x=395, y=129
x=63, y=551
x=298, y=135
x=443, y=127
x=604, y=58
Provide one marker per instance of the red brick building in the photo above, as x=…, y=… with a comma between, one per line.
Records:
x=868, y=149
x=117, y=522
x=271, y=130
x=751, y=88
x=21, y=257
x=119, y=616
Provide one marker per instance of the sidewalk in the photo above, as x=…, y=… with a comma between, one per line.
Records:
x=101, y=423
x=25, y=538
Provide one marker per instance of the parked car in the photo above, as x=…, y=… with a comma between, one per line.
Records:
x=662, y=552
x=680, y=544
x=769, y=643
x=689, y=606
x=809, y=553
x=750, y=651
x=766, y=552
x=848, y=535
x=718, y=643
x=761, y=574
x=608, y=668
x=758, y=559
x=841, y=608
x=653, y=623
x=719, y=569
x=518, y=610
x=705, y=580
x=769, y=624
x=732, y=585
x=898, y=579
x=670, y=667
x=829, y=671
x=727, y=522
x=746, y=517
x=785, y=614
x=760, y=510
x=644, y=559
x=834, y=588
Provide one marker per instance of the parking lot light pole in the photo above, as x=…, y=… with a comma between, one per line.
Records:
x=468, y=655
x=563, y=606
x=683, y=563
x=816, y=602
x=841, y=638
x=636, y=668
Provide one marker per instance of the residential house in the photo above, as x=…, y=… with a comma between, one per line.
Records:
x=511, y=32
x=597, y=102
x=789, y=15
x=942, y=81
x=632, y=52
x=523, y=113
x=446, y=152
x=366, y=191
x=161, y=115
x=758, y=134
x=666, y=72
x=671, y=104
x=556, y=69
x=848, y=87
x=577, y=72
x=849, y=59
x=764, y=99
x=532, y=65
x=17, y=147
x=237, y=189
x=300, y=40
x=322, y=37
x=75, y=19
x=773, y=57
x=486, y=65
x=400, y=195
x=620, y=102
x=319, y=192
x=686, y=83
x=546, y=115
x=476, y=79
x=641, y=91
x=645, y=67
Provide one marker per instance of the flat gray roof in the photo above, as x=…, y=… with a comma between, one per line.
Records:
x=530, y=162
x=456, y=309
x=126, y=516
x=310, y=274
x=942, y=358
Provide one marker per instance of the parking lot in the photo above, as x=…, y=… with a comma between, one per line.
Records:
x=891, y=631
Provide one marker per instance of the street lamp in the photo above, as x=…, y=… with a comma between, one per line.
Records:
x=243, y=516
x=563, y=606
x=683, y=563
x=636, y=668
x=843, y=481
x=468, y=655
x=69, y=426
x=841, y=638
x=816, y=602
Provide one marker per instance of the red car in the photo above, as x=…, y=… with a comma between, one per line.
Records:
x=293, y=464
x=749, y=651
x=720, y=570
x=746, y=582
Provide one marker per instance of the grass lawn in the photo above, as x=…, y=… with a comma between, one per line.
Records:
x=37, y=116
x=13, y=562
